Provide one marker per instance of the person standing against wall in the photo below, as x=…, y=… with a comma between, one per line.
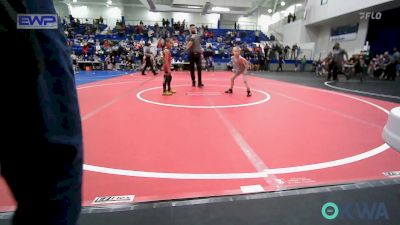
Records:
x=281, y=61
x=303, y=62
x=195, y=53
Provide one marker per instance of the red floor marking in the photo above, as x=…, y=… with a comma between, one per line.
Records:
x=193, y=96
x=93, y=94
x=297, y=126
x=149, y=189
x=368, y=169
x=325, y=128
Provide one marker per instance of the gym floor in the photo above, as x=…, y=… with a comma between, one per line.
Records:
x=296, y=131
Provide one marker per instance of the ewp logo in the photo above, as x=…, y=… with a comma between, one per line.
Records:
x=37, y=21
x=355, y=211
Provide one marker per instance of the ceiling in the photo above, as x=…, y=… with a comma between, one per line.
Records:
x=241, y=7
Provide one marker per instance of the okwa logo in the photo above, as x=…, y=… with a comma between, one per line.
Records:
x=355, y=211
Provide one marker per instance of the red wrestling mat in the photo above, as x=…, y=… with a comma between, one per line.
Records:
x=203, y=142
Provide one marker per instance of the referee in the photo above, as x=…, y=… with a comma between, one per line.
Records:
x=195, y=53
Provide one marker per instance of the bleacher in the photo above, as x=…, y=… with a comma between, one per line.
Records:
x=220, y=51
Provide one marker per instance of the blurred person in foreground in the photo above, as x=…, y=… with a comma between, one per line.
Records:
x=42, y=163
